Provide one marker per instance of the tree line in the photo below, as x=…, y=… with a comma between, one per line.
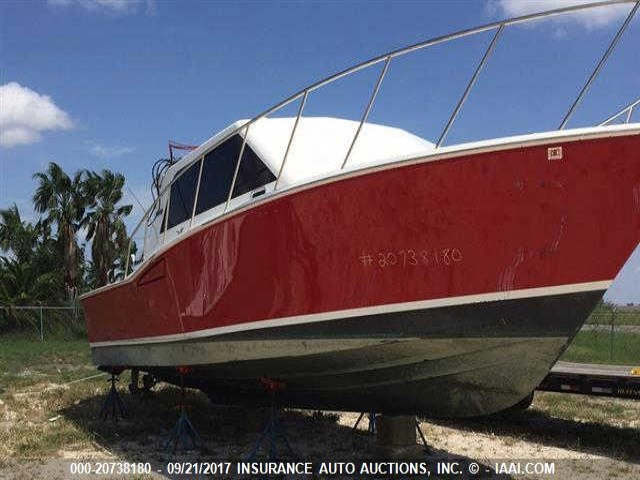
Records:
x=46, y=262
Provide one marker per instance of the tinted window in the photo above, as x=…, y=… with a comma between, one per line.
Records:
x=252, y=173
x=183, y=193
x=217, y=173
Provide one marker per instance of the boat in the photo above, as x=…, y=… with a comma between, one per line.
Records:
x=365, y=268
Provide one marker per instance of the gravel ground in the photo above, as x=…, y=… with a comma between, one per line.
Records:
x=42, y=428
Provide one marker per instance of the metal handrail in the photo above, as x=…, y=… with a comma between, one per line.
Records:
x=303, y=102
x=387, y=57
x=470, y=85
x=367, y=110
x=599, y=66
x=629, y=109
x=235, y=172
x=195, y=197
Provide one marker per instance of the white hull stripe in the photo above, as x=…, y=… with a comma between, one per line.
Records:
x=365, y=311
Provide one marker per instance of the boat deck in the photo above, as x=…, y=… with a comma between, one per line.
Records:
x=618, y=381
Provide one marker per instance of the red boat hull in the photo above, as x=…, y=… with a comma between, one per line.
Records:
x=479, y=228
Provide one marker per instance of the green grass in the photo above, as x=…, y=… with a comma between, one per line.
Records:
x=32, y=374
x=595, y=347
x=600, y=317
x=25, y=361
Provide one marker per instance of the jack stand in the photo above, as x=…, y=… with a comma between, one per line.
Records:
x=273, y=427
x=134, y=385
x=427, y=448
x=148, y=382
x=183, y=431
x=113, y=404
x=372, y=422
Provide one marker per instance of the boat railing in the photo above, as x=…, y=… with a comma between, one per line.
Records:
x=626, y=111
x=386, y=59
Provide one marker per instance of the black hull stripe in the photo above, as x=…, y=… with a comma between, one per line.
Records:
x=551, y=316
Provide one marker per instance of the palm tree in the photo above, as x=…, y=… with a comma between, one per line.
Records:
x=62, y=200
x=17, y=236
x=23, y=283
x=31, y=255
x=105, y=223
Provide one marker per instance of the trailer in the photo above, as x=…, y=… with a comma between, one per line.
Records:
x=617, y=381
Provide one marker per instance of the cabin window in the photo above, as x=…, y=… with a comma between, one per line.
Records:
x=217, y=173
x=252, y=173
x=183, y=194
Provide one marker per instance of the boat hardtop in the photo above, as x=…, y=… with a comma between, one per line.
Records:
x=319, y=147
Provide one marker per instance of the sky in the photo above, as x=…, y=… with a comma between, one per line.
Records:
x=106, y=83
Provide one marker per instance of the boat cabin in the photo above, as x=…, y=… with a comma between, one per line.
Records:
x=196, y=188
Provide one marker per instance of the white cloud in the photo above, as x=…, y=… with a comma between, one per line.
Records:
x=25, y=114
x=592, y=18
x=102, y=151
x=123, y=7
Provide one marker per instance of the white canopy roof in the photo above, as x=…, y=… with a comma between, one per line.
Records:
x=320, y=145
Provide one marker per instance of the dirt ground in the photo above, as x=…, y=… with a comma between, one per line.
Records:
x=45, y=426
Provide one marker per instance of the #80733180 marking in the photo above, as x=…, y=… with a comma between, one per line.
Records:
x=409, y=258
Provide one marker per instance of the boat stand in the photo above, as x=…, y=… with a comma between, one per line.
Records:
x=113, y=405
x=396, y=438
x=372, y=429
x=372, y=422
x=274, y=428
x=183, y=432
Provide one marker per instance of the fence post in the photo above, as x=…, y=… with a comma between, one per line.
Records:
x=41, y=326
x=613, y=320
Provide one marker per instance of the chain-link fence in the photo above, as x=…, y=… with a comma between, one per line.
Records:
x=43, y=321
x=610, y=335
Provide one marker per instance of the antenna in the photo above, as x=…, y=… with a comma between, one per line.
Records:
x=136, y=199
